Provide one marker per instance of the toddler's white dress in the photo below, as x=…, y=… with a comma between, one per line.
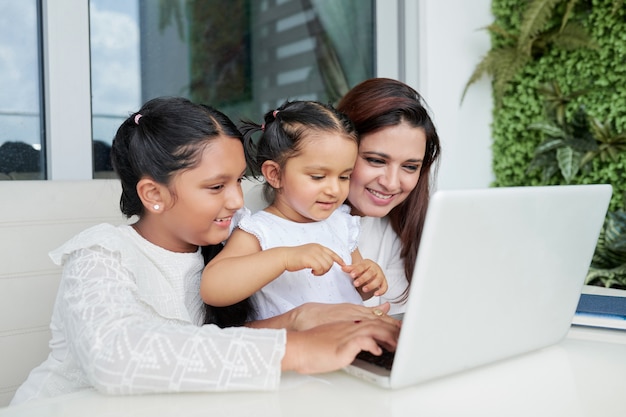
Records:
x=340, y=232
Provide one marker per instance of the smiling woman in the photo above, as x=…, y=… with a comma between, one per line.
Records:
x=393, y=176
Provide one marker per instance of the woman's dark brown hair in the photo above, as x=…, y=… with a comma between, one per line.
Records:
x=382, y=102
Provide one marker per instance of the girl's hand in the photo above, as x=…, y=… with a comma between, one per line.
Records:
x=314, y=256
x=368, y=278
x=332, y=346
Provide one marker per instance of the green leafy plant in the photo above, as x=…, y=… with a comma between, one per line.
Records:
x=536, y=34
x=608, y=267
x=570, y=145
x=561, y=118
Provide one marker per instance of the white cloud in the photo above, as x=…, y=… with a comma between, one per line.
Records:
x=19, y=82
x=116, y=79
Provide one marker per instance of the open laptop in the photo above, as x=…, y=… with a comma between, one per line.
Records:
x=499, y=273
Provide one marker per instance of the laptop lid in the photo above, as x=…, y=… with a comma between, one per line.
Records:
x=499, y=273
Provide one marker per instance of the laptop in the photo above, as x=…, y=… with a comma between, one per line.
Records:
x=499, y=273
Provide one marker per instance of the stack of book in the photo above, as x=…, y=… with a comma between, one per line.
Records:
x=601, y=307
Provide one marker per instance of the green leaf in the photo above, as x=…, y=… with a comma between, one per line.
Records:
x=568, y=12
x=548, y=129
x=498, y=30
x=572, y=37
x=569, y=162
x=615, y=232
x=502, y=64
x=549, y=145
x=607, y=277
x=536, y=16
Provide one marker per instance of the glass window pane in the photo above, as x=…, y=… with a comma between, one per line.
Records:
x=241, y=56
x=115, y=73
x=21, y=117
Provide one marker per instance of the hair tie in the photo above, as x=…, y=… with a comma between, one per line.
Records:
x=137, y=117
x=275, y=113
x=263, y=127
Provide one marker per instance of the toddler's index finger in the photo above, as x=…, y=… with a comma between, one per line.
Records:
x=338, y=260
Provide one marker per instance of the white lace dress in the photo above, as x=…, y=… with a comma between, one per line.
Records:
x=339, y=232
x=127, y=320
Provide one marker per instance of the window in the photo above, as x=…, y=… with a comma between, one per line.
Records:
x=59, y=55
x=22, y=147
x=241, y=56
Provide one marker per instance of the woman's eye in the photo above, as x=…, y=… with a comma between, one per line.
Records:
x=345, y=177
x=412, y=168
x=317, y=177
x=375, y=161
x=216, y=187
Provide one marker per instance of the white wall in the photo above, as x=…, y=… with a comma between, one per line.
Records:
x=451, y=42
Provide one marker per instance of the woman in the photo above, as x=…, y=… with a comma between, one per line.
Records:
x=392, y=179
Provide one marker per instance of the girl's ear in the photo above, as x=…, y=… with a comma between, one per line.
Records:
x=271, y=173
x=152, y=194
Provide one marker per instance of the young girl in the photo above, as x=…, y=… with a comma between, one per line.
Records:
x=303, y=246
x=128, y=314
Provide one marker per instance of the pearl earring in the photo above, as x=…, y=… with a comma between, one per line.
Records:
x=156, y=207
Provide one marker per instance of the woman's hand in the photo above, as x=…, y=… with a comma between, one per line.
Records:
x=332, y=346
x=310, y=315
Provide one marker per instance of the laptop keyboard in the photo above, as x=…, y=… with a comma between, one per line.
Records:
x=384, y=361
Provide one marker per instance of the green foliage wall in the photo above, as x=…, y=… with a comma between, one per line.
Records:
x=602, y=70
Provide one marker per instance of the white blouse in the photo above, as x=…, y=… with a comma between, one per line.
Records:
x=381, y=244
x=127, y=320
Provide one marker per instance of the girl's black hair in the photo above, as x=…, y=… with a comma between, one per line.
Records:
x=284, y=129
x=228, y=316
x=167, y=135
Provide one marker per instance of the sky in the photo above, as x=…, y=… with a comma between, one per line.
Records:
x=115, y=67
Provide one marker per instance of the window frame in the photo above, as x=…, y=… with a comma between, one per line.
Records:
x=67, y=89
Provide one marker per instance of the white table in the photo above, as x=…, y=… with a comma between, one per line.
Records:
x=584, y=375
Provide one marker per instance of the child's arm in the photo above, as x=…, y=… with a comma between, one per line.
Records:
x=368, y=276
x=242, y=268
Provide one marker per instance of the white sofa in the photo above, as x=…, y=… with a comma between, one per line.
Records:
x=36, y=217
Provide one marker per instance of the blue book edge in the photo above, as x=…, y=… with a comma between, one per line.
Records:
x=604, y=305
